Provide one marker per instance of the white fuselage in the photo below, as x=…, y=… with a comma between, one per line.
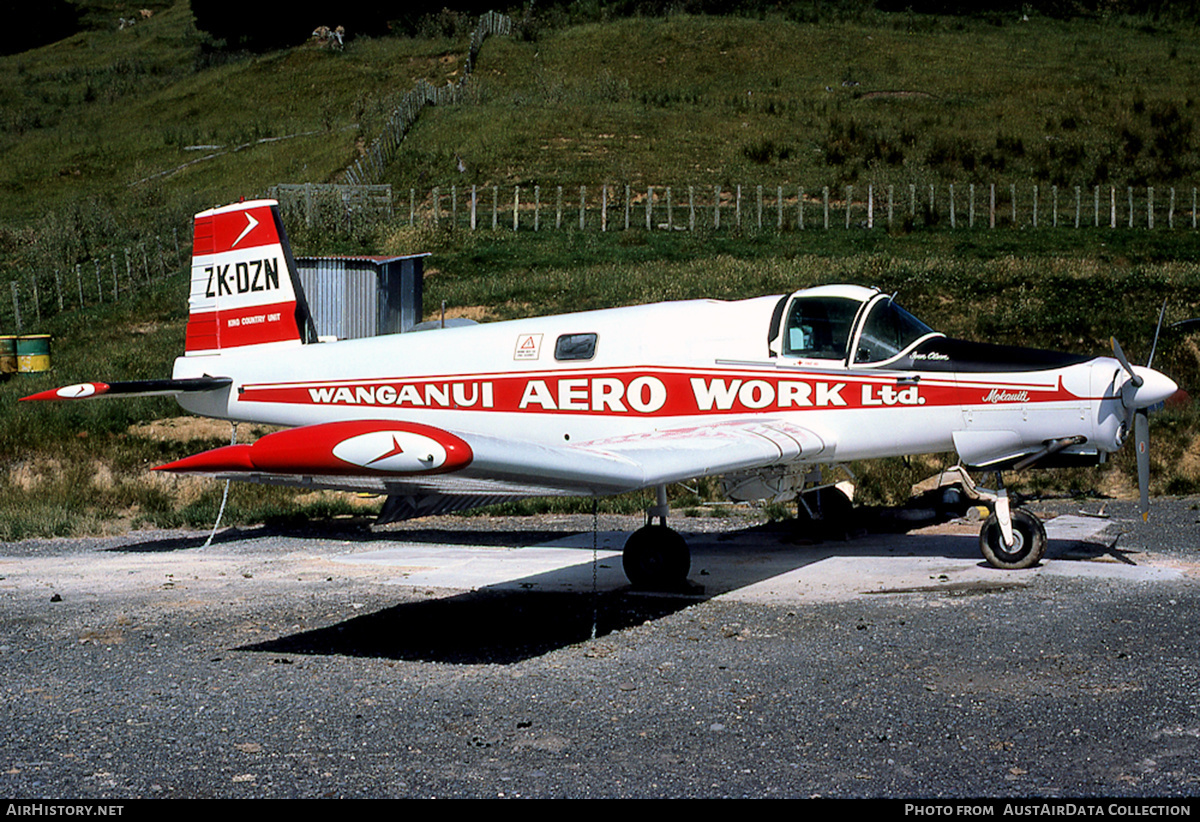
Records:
x=649, y=368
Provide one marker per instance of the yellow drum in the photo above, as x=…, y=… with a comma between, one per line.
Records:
x=8, y=354
x=33, y=353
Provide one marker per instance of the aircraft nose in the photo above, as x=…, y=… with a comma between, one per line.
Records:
x=1155, y=388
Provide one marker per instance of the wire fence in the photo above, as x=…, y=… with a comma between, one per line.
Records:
x=608, y=207
x=41, y=293
x=370, y=168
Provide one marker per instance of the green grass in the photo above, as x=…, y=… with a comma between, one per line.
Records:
x=699, y=100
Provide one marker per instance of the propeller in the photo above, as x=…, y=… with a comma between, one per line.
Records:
x=1141, y=391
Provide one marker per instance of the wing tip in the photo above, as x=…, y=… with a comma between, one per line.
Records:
x=78, y=391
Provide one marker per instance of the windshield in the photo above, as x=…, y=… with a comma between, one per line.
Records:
x=887, y=331
x=819, y=327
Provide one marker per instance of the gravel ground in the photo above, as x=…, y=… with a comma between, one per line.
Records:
x=148, y=666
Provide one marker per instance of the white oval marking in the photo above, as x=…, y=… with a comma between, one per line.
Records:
x=399, y=451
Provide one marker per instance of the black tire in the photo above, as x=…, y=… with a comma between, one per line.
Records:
x=1029, y=542
x=656, y=558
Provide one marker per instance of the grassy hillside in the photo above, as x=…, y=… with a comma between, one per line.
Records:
x=723, y=101
x=97, y=138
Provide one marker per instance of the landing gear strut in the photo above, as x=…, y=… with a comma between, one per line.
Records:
x=656, y=558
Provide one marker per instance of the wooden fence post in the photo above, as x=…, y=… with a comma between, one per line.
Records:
x=1054, y=206
x=716, y=207
x=582, y=207
x=691, y=208
x=537, y=208
x=1113, y=217
x=495, y=208
x=516, y=207
x=825, y=194
x=604, y=207
x=474, y=206
x=952, y=220
x=558, y=209
x=1035, y=205
x=649, y=207
x=1150, y=207
x=670, y=215
x=871, y=205
x=992, y=207
x=971, y=208
x=779, y=207
x=737, y=208
x=849, y=199
x=79, y=281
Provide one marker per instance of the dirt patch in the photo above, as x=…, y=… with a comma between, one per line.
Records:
x=479, y=313
x=187, y=429
x=897, y=95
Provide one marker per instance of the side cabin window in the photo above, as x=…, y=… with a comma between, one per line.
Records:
x=575, y=347
x=819, y=327
x=887, y=331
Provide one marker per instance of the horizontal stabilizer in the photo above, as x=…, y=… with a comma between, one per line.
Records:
x=135, y=388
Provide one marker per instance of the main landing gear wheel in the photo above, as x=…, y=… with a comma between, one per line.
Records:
x=656, y=558
x=1029, y=542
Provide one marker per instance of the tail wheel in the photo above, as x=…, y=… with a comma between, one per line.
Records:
x=656, y=558
x=1029, y=542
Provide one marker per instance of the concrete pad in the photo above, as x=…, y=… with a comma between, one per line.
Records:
x=557, y=565
x=756, y=567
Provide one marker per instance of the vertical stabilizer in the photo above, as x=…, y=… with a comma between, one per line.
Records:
x=245, y=289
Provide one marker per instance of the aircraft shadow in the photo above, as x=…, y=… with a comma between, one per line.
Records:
x=481, y=627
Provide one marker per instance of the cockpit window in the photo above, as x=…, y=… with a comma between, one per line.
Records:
x=888, y=330
x=819, y=327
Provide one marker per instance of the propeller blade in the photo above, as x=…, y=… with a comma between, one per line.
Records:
x=1158, y=330
x=1141, y=439
x=1134, y=377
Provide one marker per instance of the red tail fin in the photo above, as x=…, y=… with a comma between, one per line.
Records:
x=245, y=290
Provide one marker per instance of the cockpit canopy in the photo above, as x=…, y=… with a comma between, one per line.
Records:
x=846, y=325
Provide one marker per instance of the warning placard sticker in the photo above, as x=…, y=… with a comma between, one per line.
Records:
x=529, y=347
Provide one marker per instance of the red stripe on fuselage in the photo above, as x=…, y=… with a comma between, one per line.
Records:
x=651, y=392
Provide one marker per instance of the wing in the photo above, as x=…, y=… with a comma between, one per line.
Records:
x=430, y=470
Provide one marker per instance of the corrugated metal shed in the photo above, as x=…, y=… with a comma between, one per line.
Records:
x=352, y=297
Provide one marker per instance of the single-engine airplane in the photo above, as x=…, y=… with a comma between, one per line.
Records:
x=763, y=392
